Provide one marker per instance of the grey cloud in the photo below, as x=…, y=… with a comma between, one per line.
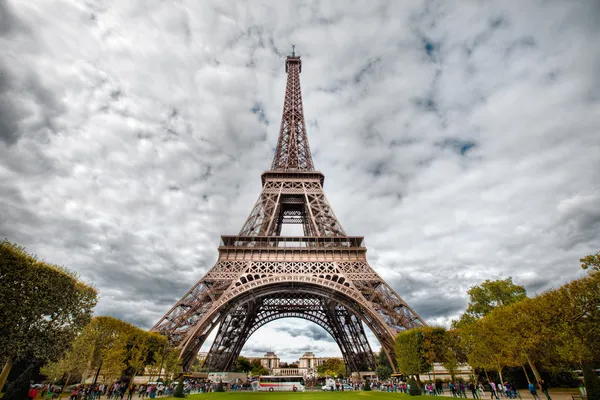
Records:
x=312, y=331
x=9, y=22
x=16, y=119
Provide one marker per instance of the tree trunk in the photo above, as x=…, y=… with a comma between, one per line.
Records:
x=97, y=373
x=526, y=374
x=5, y=371
x=592, y=382
x=486, y=375
x=500, y=373
x=66, y=384
x=536, y=373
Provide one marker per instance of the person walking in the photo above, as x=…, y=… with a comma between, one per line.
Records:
x=493, y=391
x=533, y=391
x=544, y=387
x=473, y=390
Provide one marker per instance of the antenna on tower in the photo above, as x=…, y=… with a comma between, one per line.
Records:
x=293, y=50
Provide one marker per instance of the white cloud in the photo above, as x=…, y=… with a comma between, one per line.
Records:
x=460, y=139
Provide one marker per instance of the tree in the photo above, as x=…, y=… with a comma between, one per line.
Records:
x=384, y=369
x=367, y=385
x=576, y=327
x=74, y=364
x=42, y=307
x=489, y=295
x=113, y=359
x=179, y=393
x=242, y=365
x=591, y=262
x=172, y=362
x=138, y=349
x=440, y=345
x=257, y=368
x=558, y=329
x=332, y=367
x=483, y=299
x=490, y=343
x=410, y=354
x=115, y=348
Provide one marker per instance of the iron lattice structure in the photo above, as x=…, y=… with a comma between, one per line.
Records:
x=261, y=276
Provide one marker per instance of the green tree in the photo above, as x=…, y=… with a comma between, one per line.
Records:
x=74, y=364
x=42, y=307
x=113, y=359
x=384, y=369
x=490, y=343
x=179, y=389
x=483, y=299
x=410, y=353
x=257, y=368
x=172, y=362
x=114, y=348
x=591, y=262
x=242, y=364
x=138, y=349
x=453, y=353
x=332, y=367
x=440, y=345
x=575, y=329
x=489, y=295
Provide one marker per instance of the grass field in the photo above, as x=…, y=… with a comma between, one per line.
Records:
x=360, y=395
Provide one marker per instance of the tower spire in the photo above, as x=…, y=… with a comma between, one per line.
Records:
x=293, y=151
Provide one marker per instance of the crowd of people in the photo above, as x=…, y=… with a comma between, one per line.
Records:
x=459, y=389
x=118, y=390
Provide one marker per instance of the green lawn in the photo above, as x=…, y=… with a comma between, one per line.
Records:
x=360, y=395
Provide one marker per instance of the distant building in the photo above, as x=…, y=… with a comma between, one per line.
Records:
x=307, y=364
x=438, y=371
x=309, y=360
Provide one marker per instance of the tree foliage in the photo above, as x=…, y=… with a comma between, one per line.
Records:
x=179, y=393
x=591, y=262
x=410, y=352
x=117, y=349
x=257, y=368
x=489, y=295
x=42, y=306
x=332, y=367
x=443, y=346
x=384, y=369
x=242, y=365
x=558, y=330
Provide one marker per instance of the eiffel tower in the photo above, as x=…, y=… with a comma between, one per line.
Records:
x=261, y=276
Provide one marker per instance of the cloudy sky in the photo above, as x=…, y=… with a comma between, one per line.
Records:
x=461, y=138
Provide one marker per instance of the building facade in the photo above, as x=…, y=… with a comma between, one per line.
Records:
x=306, y=366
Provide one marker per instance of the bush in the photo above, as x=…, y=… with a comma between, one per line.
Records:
x=414, y=390
x=179, y=389
x=367, y=385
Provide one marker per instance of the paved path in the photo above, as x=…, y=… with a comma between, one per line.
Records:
x=559, y=394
